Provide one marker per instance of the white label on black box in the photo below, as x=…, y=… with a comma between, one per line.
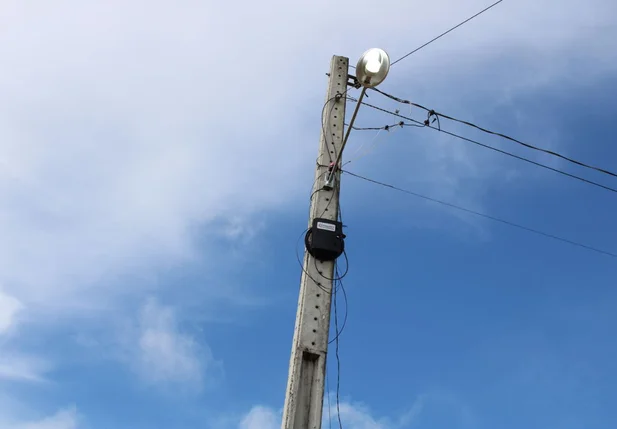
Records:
x=326, y=226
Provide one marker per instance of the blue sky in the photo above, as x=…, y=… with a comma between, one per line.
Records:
x=155, y=166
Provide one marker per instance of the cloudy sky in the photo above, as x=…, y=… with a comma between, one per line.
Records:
x=156, y=160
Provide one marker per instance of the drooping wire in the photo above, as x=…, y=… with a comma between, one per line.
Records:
x=327, y=148
x=307, y=231
x=486, y=216
x=373, y=140
x=446, y=32
x=304, y=270
x=334, y=279
x=332, y=100
x=323, y=188
x=338, y=361
x=319, y=177
x=386, y=127
x=323, y=125
x=521, y=158
x=373, y=143
x=438, y=115
x=338, y=332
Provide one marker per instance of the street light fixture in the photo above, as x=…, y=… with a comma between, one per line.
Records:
x=373, y=67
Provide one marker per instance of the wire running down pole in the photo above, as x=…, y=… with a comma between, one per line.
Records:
x=337, y=166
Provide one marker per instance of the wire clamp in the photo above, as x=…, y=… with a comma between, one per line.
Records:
x=329, y=183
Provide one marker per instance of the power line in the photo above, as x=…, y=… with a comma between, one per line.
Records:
x=385, y=127
x=484, y=130
x=446, y=32
x=521, y=158
x=373, y=143
x=477, y=213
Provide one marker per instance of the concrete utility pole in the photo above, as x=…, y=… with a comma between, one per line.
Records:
x=307, y=368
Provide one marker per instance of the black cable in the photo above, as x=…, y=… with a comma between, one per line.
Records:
x=398, y=100
x=323, y=188
x=318, y=284
x=330, y=199
x=323, y=127
x=521, y=158
x=338, y=364
x=504, y=136
x=496, y=219
x=341, y=286
x=315, y=181
x=446, y=32
x=385, y=127
x=335, y=279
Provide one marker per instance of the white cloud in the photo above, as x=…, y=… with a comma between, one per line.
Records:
x=63, y=419
x=164, y=353
x=21, y=367
x=9, y=307
x=423, y=413
x=261, y=418
x=353, y=416
x=356, y=417
x=122, y=131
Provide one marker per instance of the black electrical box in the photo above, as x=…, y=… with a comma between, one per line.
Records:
x=325, y=241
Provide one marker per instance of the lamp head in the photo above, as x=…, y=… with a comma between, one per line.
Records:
x=373, y=67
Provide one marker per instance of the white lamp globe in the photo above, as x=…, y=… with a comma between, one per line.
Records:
x=373, y=67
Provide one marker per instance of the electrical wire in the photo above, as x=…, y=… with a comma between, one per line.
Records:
x=373, y=140
x=437, y=115
x=373, y=143
x=323, y=126
x=323, y=188
x=338, y=332
x=477, y=213
x=386, y=127
x=521, y=158
x=334, y=279
x=317, y=283
x=446, y=32
x=315, y=182
x=338, y=362
x=335, y=189
x=340, y=286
